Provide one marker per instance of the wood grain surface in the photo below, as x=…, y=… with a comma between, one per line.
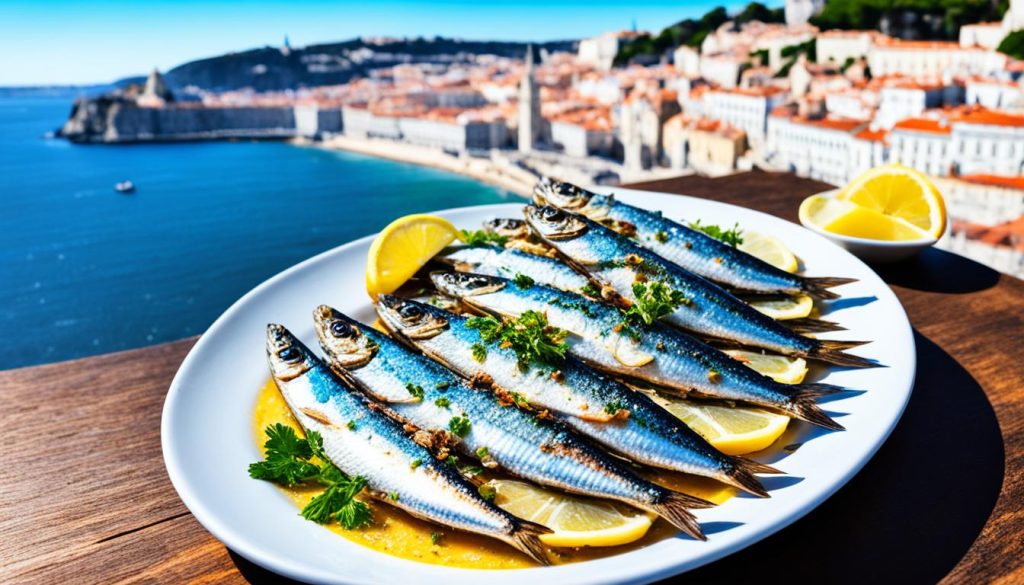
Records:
x=84, y=497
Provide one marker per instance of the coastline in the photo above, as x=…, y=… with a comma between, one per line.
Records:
x=496, y=170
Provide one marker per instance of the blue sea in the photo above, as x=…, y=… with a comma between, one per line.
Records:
x=85, y=270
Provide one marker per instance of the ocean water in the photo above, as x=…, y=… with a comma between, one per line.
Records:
x=85, y=270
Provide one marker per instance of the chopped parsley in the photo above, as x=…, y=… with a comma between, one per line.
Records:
x=415, y=463
x=479, y=352
x=482, y=452
x=435, y=537
x=487, y=492
x=442, y=402
x=394, y=496
x=289, y=461
x=661, y=236
x=351, y=425
x=591, y=291
x=415, y=390
x=518, y=399
x=482, y=238
x=459, y=425
x=614, y=407
x=529, y=336
x=442, y=386
x=523, y=281
x=733, y=237
x=654, y=300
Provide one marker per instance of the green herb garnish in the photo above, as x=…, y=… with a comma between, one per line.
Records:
x=351, y=425
x=614, y=407
x=523, y=281
x=654, y=300
x=487, y=492
x=479, y=352
x=459, y=425
x=661, y=236
x=415, y=463
x=289, y=461
x=394, y=496
x=482, y=238
x=435, y=537
x=733, y=237
x=529, y=336
x=482, y=452
x=415, y=390
x=591, y=291
x=442, y=386
x=442, y=402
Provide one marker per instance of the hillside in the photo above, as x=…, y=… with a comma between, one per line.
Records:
x=270, y=68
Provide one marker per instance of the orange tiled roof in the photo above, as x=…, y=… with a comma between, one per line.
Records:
x=871, y=135
x=995, y=180
x=841, y=124
x=924, y=125
x=1009, y=234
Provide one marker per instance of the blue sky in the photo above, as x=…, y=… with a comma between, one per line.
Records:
x=63, y=41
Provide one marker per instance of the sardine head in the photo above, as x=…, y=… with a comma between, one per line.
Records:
x=342, y=339
x=409, y=318
x=560, y=194
x=288, y=357
x=508, y=227
x=466, y=284
x=552, y=223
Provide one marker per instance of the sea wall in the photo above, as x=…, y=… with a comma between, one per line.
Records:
x=111, y=120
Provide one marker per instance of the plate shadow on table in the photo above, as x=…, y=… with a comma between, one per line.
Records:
x=936, y=270
x=909, y=516
x=914, y=510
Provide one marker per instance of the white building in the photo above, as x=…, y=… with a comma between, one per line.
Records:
x=459, y=133
x=931, y=59
x=800, y=11
x=839, y=46
x=687, y=61
x=746, y=109
x=722, y=69
x=600, y=51
x=907, y=100
x=922, y=143
x=986, y=35
x=983, y=199
x=819, y=149
x=995, y=94
x=988, y=142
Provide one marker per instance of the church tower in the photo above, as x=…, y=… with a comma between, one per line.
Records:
x=529, y=107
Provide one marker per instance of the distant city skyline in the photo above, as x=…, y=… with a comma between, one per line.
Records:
x=66, y=42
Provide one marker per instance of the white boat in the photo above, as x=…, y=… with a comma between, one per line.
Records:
x=125, y=187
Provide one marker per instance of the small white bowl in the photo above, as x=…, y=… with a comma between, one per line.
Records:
x=868, y=250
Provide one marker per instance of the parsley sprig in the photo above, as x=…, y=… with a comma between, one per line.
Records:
x=482, y=238
x=654, y=300
x=733, y=237
x=529, y=336
x=291, y=461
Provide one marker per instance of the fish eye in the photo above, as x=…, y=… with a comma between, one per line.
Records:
x=410, y=311
x=342, y=329
x=289, y=354
x=552, y=214
x=510, y=223
x=472, y=282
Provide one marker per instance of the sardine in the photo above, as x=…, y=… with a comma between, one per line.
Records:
x=509, y=263
x=538, y=449
x=656, y=354
x=689, y=248
x=622, y=420
x=361, y=440
x=617, y=264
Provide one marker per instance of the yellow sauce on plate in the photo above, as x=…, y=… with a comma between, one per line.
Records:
x=397, y=533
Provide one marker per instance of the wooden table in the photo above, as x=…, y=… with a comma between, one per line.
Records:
x=84, y=496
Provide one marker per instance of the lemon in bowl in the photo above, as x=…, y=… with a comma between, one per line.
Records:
x=889, y=213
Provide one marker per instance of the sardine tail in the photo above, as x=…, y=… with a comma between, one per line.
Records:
x=751, y=466
x=744, y=479
x=674, y=508
x=831, y=351
x=526, y=538
x=808, y=411
x=811, y=325
x=813, y=391
x=818, y=286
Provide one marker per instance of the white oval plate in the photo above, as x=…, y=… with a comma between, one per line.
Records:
x=208, y=440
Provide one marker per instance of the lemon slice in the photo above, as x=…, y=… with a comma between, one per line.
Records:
x=900, y=192
x=844, y=217
x=796, y=307
x=770, y=249
x=784, y=370
x=402, y=248
x=733, y=431
x=574, y=521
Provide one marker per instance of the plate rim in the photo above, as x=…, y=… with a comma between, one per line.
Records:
x=274, y=561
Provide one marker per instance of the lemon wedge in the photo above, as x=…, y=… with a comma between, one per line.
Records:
x=770, y=249
x=796, y=307
x=899, y=192
x=784, y=370
x=732, y=430
x=840, y=216
x=402, y=248
x=574, y=521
